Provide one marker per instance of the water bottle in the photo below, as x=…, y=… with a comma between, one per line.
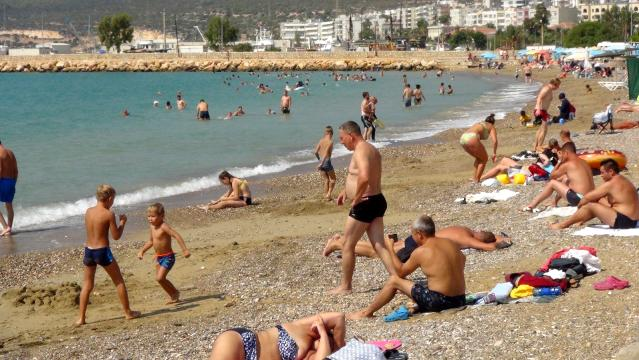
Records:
x=547, y=291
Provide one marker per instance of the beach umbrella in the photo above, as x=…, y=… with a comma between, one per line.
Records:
x=488, y=55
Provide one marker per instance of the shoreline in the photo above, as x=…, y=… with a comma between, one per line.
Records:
x=257, y=266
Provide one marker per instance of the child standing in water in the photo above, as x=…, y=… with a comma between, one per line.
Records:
x=99, y=220
x=160, y=240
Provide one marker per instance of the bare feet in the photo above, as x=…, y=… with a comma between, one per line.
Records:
x=556, y=226
x=203, y=207
x=133, y=315
x=80, y=322
x=358, y=315
x=340, y=291
x=331, y=245
x=174, y=300
x=6, y=232
x=503, y=243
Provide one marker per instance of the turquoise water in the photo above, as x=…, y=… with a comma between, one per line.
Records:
x=68, y=133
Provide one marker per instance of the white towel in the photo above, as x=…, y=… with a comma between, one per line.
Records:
x=595, y=230
x=563, y=211
x=500, y=195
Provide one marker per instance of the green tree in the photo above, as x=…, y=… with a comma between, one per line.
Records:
x=243, y=47
x=444, y=19
x=115, y=30
x=298, y=39
x=462, y=38
x=367, y=32
x=542, y=15
x=588, y=33
x=491, y=26
x=214, y=35
x=479, y=39
x=421, y=32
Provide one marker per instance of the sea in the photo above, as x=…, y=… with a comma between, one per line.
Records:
x=69, y=135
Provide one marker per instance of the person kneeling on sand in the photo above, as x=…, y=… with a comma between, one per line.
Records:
x=615, y=202
x=439, y=259
x=238, y=195
x=99, y=220
x=464, y=237
x=160, y=241
x=314, y=337
x=570, y=180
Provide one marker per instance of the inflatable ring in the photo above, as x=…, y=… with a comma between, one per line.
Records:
x=595, y=157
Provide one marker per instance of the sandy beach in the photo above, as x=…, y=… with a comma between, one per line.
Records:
x=262, y=265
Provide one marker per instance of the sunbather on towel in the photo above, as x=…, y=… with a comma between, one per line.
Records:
x=464, y=237
x=614, y=202
x=439, y=259
x=578, y=179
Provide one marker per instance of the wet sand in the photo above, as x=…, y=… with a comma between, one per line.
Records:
x=261, y=265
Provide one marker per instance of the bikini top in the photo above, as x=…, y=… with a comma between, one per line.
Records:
x=287, y=346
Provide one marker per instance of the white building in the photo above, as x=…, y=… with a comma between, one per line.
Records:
x=514, y=3
x=30, y=51
x=458, y=16
x=342, y=27
x=59, y=48
x=500, y=18
x=308, y=31
x=593, y=11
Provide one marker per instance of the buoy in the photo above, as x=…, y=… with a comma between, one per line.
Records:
x=595, y=157
x=519, y=179
x=503, y=179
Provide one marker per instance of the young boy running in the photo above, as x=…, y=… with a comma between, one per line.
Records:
x=99, y=220
x=160, y=240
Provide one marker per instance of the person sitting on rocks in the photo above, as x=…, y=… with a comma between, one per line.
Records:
x=440, y=260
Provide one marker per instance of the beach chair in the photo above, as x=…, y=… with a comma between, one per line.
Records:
x=603, y=120
x=614, y=85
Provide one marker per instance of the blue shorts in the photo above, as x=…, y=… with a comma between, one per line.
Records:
x=93, y=257
x=7, y=189
x=166, y=261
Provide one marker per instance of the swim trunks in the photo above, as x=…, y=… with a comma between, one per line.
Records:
x=93, y=257
x=541, y=115
x=369, y=209
x=326, y=165
x=366, y=121
x=466, y=137
x=409, y=246
x=624, y=222
x=247, y=200
x=166, y=260
x=286, y=110
x=249, y=339
x=407, y=103
x=204, y=115
x=431, y=301
x=573, y=197
x=7, y=189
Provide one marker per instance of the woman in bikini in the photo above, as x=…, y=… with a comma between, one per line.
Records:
x=471, y=142
x=313, y=337
x=238, y=195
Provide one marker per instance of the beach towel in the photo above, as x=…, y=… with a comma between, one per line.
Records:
x=596, y=230
x=563, y=211
x=486, y=198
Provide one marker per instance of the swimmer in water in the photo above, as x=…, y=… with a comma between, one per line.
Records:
x=228, y=116
x=125, y=113
x=239, y=111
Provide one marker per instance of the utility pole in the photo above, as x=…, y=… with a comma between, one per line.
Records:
x=221, y=33
x=177, y=39
x=542, y=33
x=5, y=16
x=164, y=26
x=89, y=32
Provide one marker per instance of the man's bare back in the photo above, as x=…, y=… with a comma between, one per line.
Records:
x=325, y=148
x=8, y=164
x=443, y=264
x=202, y=106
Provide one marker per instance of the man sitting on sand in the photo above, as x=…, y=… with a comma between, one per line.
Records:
x=615, y=202
x=578, y=180
x=442, y=263
x=464, y=237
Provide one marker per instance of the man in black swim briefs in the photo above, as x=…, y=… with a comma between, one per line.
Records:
x=615, y=202
x=440, y=260
x=364, y=188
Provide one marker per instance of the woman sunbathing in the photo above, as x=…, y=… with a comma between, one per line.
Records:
x=238, y=194
x=313, y=337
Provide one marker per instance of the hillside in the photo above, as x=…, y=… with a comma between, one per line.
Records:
x=72, y=16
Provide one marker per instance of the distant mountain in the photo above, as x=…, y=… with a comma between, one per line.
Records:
x=72, y=16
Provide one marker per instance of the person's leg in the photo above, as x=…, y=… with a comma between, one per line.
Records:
x=228, y=346
x=331, y=184
x=475, y=148
x=496, y=170
x=551, y=186
x=353, y=231
x=87, y=287
x=227, y=204
x=114, y=272
x=541, y=136
x=5, y=227
x=376, y=235
x=9, y=214
x=606, y=214
x=325, y=179
x=160, y=277
x=387, y=293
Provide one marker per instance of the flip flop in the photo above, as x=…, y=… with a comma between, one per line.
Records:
x=503, y=244
x=400, y=313
x=611, y=283
x=385, y=345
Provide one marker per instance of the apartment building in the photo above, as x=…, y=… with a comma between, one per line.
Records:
x=592, y=11
x=308, y=30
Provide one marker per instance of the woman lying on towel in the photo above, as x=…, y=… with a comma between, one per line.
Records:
x=314, y=337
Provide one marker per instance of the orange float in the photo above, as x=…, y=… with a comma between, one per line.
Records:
x=595, y=157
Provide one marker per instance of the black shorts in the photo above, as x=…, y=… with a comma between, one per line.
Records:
x=204, y=115
x=286, y=110
x=432, y=301
x=573, y=198
x=369, y=209
x=366, y=121
x=624, y=222
x=94, y=257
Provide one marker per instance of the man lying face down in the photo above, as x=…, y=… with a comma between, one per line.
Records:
x=440, y=260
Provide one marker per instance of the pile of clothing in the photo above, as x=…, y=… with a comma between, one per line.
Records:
x=563, y=270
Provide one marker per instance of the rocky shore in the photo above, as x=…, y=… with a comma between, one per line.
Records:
x=418, y=61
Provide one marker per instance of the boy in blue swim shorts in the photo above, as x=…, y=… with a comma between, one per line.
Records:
x=160, y=240
x=8, y=179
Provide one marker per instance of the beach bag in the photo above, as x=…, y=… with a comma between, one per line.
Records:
x=357, y=350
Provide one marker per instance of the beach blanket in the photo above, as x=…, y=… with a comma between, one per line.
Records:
x=486, y=198
x=563, y=211
x=595, y=230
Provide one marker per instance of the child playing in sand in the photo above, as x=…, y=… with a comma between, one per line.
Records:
x=99, y=220
x=160, y=240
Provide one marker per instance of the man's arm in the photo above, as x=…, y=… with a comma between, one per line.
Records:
x=412, y=264
x=595, y=194
x=560, y=171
